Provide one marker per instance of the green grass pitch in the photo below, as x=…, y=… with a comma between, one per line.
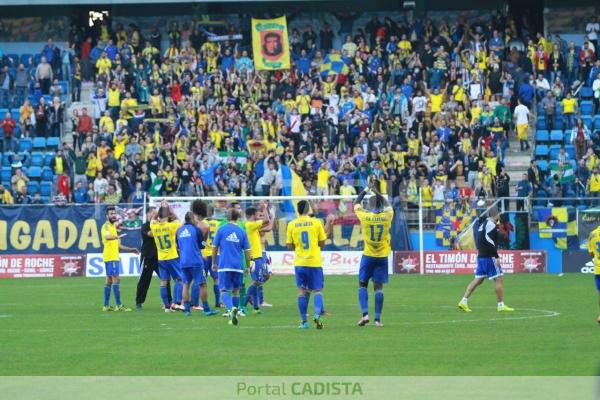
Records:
x=55, y=327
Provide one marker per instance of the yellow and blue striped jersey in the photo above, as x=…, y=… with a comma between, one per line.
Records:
x=253, y=232
x=376, y=230
x=110, y=251
x=305, y=233
x=213, y=224
x=594, y=249
x=164, y=237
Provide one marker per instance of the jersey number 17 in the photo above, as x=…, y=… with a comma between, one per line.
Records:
x=376, y=237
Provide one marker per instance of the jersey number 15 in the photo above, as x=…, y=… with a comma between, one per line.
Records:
x=164, y=242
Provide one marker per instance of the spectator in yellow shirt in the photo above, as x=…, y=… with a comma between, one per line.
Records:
x=106, y=123
x=103, y=65
x=569, y=105
x=323, y=180
x=128, y=102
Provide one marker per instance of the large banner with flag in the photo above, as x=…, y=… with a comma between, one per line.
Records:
x=270, y=44
x=558, y=224
x=43, y=230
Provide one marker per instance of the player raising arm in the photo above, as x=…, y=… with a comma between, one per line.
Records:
x=488, y=261
x=231, y=243
x=111, y=241
x=594, y=250
x=164, y=228
x=207, y=252
x=254, y=226
x=306, y=236
x=375, y=224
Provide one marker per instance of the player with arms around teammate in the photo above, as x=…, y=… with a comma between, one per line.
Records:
x=254, y=227
x=189, y=242
x=213, y=225
x=594, y=250
x=231, y=243
x=306, y=235
x=163, y=229
x=375, y=225
x=111, y=241
x=488, y=262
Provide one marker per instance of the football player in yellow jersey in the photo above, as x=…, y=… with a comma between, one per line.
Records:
x=306, y=236
x=254, y=226
x=375, y=224
x=163, y=229
x=594, y=250
x=111, y=241
x=213, y=225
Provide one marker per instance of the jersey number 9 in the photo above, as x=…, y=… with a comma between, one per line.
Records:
x=304, y=238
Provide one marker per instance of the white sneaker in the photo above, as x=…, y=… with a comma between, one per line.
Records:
x=226, y=314
x=266, y=305
x=179, y=307
x=241, y=313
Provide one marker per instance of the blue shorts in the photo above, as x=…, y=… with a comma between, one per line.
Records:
x=259, y=272
x=375, y=268
x=267, y=261
x=230, y=280
x=208, y=271
x=486, y=268
x=597, y=277
x=193, y=274
x=310, y=278
x=169, y=269
x=112, y=268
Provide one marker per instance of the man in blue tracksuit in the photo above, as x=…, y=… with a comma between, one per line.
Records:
x=190, y=242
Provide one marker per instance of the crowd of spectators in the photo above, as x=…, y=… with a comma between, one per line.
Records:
x=423, y=104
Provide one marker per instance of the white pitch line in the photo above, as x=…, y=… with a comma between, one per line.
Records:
x=163, y=327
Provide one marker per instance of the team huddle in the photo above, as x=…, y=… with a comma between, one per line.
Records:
x=229, y=249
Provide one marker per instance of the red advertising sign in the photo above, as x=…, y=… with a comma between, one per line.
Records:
x=39, y=266
x=465, y=262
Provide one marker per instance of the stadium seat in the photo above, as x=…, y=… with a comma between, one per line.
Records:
x=24, y=170
x=5, y=174
x=587, y=121
x=25, y=157
x=39, y=143
x=557, y=136
x=586, y=92
x=25, y=59
x=64, y=85
x=48, y=158
x=13, y=59
x=33, y=187
x=597, y=122
x=25, y=144
x=542, y=136
x=37, y=159
x=541, y=151
x=541, y=123
x=543, y=165
x=45, y=199
x=570, y=149
x=53, y=143
x=558, y=122
x=554, y=151
x=35, y=172
x=7, y=158
x=47, y=174
x=586, y=107
x=36, y=59
x=46, y=189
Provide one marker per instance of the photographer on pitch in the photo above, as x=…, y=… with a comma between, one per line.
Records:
x=148, y=262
